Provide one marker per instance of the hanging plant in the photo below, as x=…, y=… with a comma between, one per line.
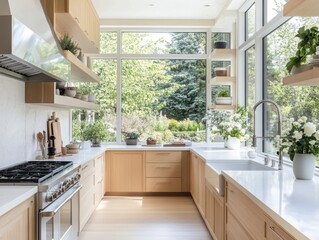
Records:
x=309, y=40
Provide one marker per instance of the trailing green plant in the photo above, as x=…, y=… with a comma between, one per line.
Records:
x=223, y=93
x=67, y=43
x=309, y=40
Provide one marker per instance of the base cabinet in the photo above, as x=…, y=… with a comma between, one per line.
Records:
x=92, y=191
x=125, y=171
x=214, y=212
x=19, y=223
x=197, y=182
x=245, y=220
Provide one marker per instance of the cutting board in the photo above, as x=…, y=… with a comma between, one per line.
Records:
x=56, y=131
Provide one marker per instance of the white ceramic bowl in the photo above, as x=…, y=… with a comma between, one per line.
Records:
x=70, y=92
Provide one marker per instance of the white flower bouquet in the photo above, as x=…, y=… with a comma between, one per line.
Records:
x=301, y=138
x=233, y=125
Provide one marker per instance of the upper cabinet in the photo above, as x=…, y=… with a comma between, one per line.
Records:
x=301, y=8
x=77, y=18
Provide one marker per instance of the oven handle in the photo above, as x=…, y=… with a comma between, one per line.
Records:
x=52, y=209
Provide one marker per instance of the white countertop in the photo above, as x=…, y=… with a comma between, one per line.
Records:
x=12, y=196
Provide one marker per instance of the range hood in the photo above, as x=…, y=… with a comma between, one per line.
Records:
x=28, y=46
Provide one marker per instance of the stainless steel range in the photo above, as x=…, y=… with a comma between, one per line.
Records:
x=57, y=200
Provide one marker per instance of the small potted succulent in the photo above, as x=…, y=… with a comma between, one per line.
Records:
x=131, y=138
x=224, y=98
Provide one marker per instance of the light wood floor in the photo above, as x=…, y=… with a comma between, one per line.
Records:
x=145, y=218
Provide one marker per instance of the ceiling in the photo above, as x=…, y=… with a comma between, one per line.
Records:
x=164, y=12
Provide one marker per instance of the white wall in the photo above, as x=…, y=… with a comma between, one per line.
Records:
x=19, y=123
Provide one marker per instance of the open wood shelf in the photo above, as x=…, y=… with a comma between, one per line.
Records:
x=223, y=80
x=80, y=72
x=306, y=78
x=301, y=8
x=42, y=93
x=223, y=107
x=223, y=54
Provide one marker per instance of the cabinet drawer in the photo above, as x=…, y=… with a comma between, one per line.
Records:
x=87, y=169
x=246, y=211
x=163, y=156
x=163, y=185
x=163, y=170
x=274, y=232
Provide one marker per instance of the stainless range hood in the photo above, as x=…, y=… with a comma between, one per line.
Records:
x=28, y=46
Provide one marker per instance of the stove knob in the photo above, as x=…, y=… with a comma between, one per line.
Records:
x=49, y=197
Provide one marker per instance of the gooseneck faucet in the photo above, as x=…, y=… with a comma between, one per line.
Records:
x=280, y=164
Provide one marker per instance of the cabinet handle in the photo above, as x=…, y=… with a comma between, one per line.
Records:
x=84, y=167
x=163, y=153
x=86, y=32
x=77, y=20
x=276, y=235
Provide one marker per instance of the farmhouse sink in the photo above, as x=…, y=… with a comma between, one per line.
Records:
x=213, y=170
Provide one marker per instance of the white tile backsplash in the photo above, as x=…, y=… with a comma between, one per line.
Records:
x=19, y=123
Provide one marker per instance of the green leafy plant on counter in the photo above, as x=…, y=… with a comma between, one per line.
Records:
x=67, y=43
x=309, y=40
x=131, y=135
x=91, y=130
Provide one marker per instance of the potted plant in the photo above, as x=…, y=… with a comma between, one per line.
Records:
x=232, y=127
x=131, y=138
x=309, y=40
x=94, y=132
x=224, y=98
x=301, y=142
x=68, y=44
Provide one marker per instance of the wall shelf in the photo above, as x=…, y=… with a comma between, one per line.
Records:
x=306, y=78
x=301, y=8
x=42, y=93
x=80, y=72
x=223, y=107
x=223, y=54
x=223, y=80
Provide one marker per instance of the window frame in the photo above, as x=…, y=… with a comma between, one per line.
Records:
x=119, y=56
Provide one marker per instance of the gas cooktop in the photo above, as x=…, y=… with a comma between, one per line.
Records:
x=33, y=171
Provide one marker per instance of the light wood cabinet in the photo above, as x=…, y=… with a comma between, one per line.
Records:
x=248, y=214
x=99, y=179
x=214, y=212
x=163, y=171
x=125, y=170
x=197, y=176
x=43, y=93
x=275, y=232
x=19, y=223
x=87, y=200
x=77, y=18
x=301, y=8
x=245, y=220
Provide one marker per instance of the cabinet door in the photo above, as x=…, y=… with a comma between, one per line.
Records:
x=194, y=177
x=246, y=211
x=19, y=223
x=210, y=208
x=234, y=231
x=219, y=216
x=77, y=10
x=127, y=172
x=201, y=185
x=99, y=179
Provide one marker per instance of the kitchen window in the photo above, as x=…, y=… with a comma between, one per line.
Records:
x=151, y=82
x=250, y=19
x=266, y=55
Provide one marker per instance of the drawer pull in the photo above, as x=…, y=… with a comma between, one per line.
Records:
x=84, y=167
x=164, y=167
x=76, y=19
x=163, y=153
x=275, y=234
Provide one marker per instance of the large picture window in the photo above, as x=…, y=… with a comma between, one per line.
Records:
x=155, y=85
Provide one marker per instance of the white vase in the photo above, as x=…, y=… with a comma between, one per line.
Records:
x=304, y=166
x=233, y=143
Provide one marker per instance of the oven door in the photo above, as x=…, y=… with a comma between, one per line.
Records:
x=59, y=221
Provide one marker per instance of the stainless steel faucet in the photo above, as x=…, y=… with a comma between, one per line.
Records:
x=280, y=164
